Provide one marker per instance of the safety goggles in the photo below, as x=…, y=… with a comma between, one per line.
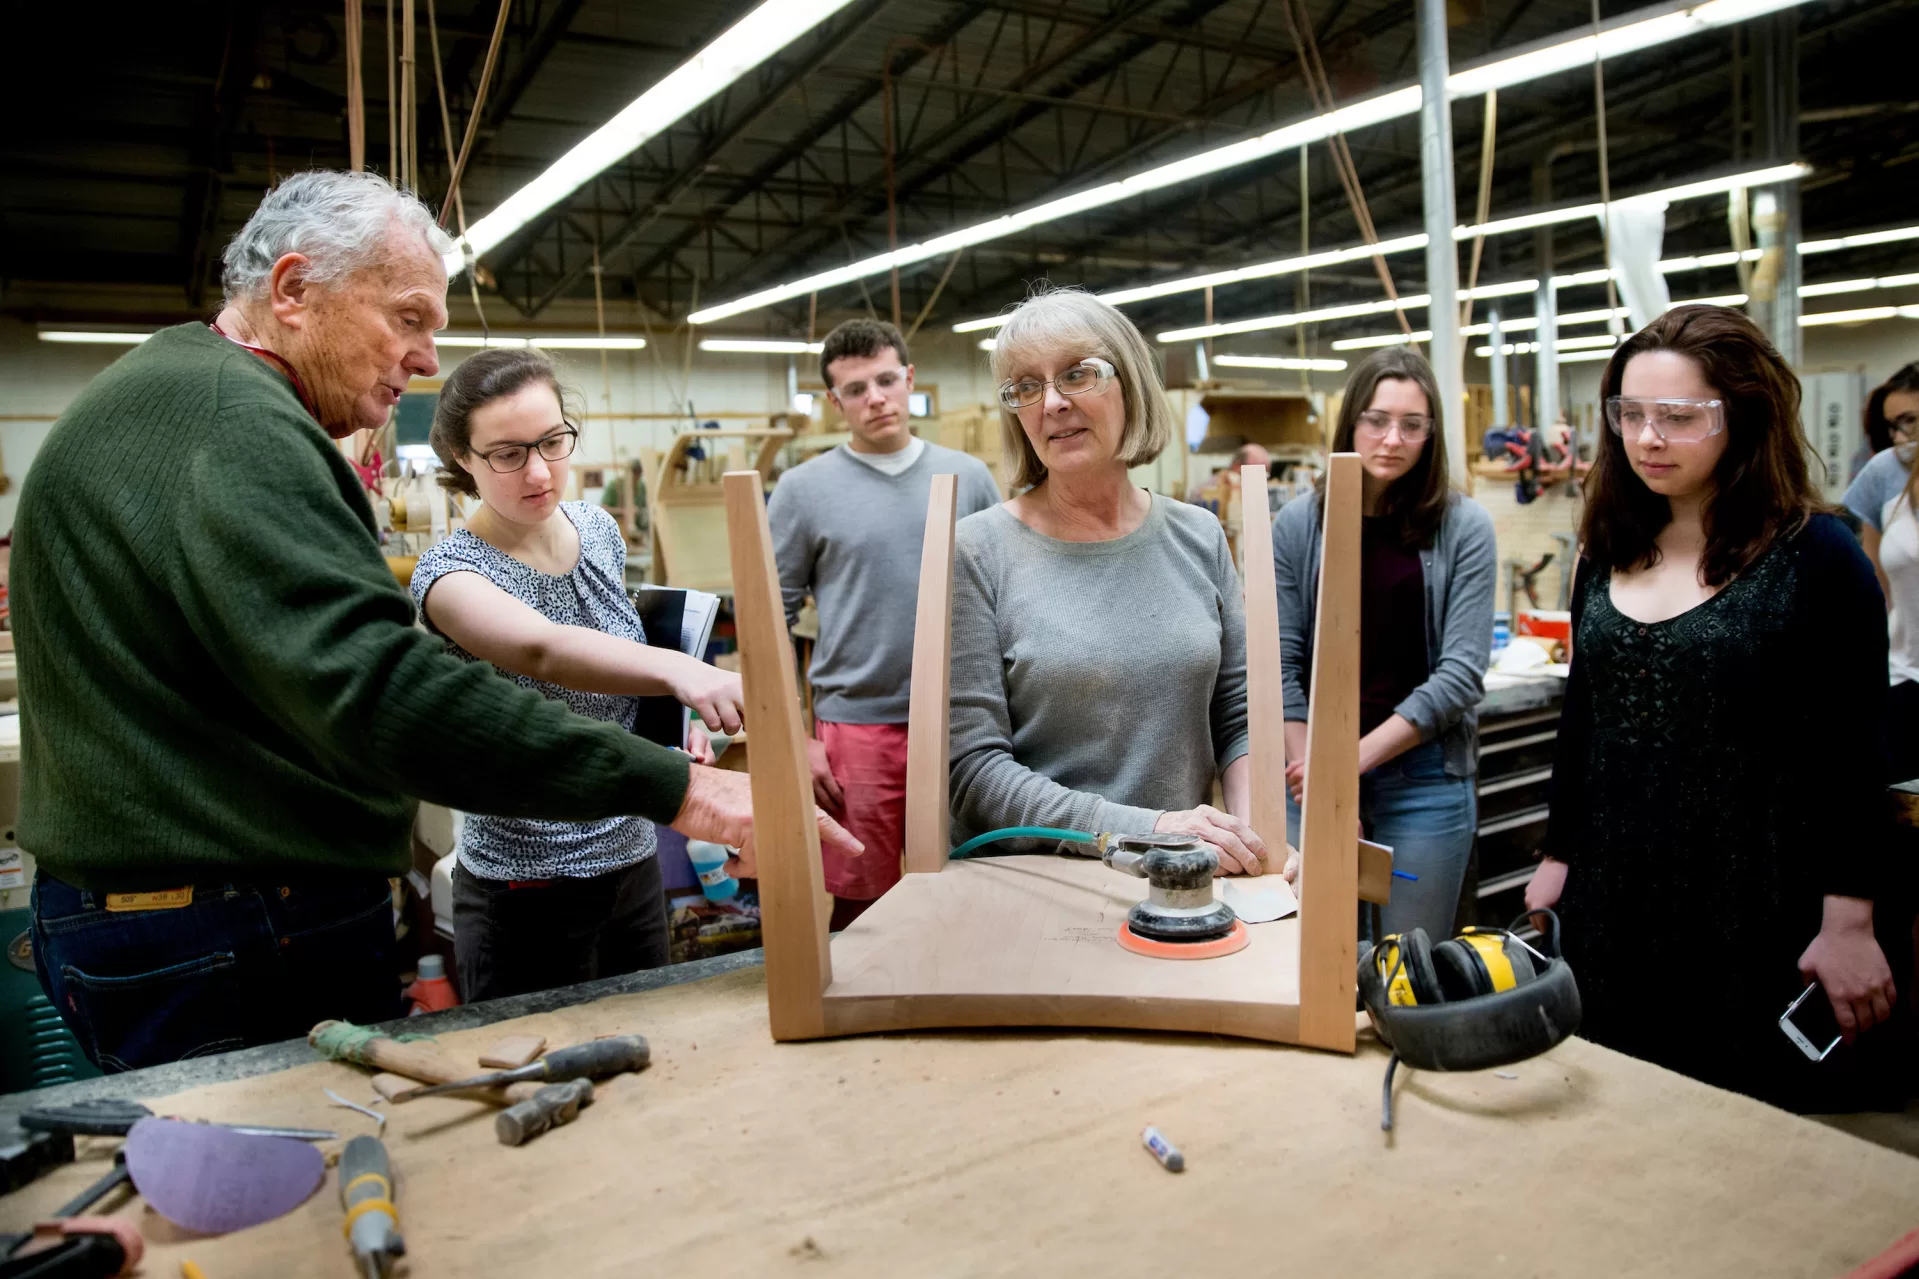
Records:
x=1674, y=421
x=1413, y=428
x=1090, y=374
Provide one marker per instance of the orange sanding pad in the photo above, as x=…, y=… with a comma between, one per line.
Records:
x=1227, y=945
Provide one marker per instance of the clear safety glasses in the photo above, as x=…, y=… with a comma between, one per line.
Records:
x=1090, y=374
x=1674, y=421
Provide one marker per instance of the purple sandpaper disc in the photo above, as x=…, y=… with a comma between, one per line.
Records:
x=213, y=1180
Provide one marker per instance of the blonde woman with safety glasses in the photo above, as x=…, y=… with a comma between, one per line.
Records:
x=1099, y=641
x=1719, y=835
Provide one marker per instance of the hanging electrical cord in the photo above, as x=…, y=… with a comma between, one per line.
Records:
x=599, y=316
x=446, y=135
x=392, y=92
x=479, y=103
x=926, y=310
x=1613, y=325
x=1313, y=71
x=1487, y=136
x=355, y=86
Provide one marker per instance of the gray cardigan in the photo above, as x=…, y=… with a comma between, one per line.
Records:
x=1461, y=568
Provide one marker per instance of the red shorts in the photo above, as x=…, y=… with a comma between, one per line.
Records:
x=869, y=762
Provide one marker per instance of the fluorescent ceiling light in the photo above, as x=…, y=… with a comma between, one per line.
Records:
x=1605, y=340
x=1261, y=270
x=1416, y=243
x=87, y=338
x=1859, y=286
x=1861, y=316
x=1555, y=54
x=772, y=26
x=1262, y=322
x=756, y=346
x=545, y=342
x=1382, y=339
x=1862, y=240
x=1582, y=357
x=1279, y=362
x=988, y=344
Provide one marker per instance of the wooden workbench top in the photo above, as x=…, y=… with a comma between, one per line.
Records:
x=1018, y=1152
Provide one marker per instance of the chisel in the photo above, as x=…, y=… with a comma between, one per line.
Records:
x=595, y=1059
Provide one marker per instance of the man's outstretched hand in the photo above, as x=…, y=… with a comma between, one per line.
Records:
x=719, y=808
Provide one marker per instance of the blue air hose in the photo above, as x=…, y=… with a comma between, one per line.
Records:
x=1023, y=832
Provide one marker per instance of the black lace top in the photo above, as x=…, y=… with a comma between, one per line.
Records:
x=1718, y=774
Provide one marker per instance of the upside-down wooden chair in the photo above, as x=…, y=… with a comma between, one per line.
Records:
x=1032, y=940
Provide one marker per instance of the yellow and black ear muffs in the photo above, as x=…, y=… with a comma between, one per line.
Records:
x=1479, y=1000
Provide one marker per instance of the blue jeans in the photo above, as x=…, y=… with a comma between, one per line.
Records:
x=1428, y=819
x=243, y=964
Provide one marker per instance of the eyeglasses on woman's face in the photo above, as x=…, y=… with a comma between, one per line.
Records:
x=509, y=458
x=1413, y=427
x=1091, y=374
x=1675, y=421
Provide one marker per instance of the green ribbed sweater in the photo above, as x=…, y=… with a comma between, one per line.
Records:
x=218, y=673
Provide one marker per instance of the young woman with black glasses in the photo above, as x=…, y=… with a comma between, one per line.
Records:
x=537, y=586
x=1719, y=835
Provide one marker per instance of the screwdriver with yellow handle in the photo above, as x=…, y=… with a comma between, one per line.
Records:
x=366, y=1192
x=595, y=1059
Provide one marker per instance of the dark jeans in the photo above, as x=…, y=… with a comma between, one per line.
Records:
x=1428, y=819
x=1902, y=727
x=512, y=938
x=242, y=964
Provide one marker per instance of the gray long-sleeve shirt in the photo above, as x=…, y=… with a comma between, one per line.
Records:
x=1461, y=568
x=1095, y=685
x=851, y=535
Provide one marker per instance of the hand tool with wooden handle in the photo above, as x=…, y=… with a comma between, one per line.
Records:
x=341, y=1041
x=594, y=1059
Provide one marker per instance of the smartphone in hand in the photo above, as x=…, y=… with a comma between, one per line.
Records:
x=1809, y=1023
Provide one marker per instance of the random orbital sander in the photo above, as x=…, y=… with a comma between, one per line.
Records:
x=1179, y=918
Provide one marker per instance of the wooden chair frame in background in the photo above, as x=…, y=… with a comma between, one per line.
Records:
x=1029, y=941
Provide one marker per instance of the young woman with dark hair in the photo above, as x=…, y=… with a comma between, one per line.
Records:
x=1718, y=835
x=1885, y=498
x=537, y=587
x=1891, y=418
x=1427, y=573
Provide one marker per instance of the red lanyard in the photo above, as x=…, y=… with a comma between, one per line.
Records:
x=279, y=362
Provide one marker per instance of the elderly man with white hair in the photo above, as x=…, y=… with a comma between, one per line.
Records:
x=226, y=707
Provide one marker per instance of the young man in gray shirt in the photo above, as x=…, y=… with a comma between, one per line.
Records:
x=848, y=528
